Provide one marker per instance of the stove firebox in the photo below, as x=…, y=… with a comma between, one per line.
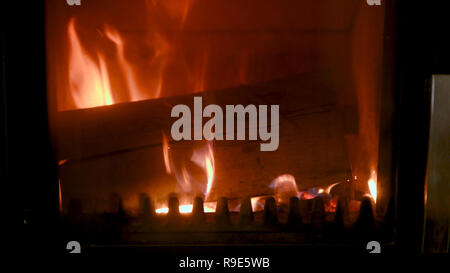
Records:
x=229, y=123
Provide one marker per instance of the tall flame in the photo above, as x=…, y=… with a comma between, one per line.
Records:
x=210, y=174
x=184, y=180
x=59, y=195
x=373, y=186
x=89, y=82
x=100, y=76
x=166, y=153
x=133, y=89
x=205, y=159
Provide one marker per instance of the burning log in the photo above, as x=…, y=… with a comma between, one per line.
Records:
x=127, y=138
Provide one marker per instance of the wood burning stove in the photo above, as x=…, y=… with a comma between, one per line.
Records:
x=226, y=123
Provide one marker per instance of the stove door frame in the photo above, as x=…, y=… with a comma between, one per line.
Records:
x=29, y=161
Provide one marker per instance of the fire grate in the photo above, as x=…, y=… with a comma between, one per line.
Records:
x=302, y=222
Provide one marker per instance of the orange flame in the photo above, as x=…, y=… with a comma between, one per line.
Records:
x=59, y=195
x=178, y=9
x=205, y=159
x=89, y=82
x=159, y=87
x=135, y=93
x=373, y=186
x=257, y=204
x=185, y=180
x=328, y=189
x=284, y=187
x=137, y=79
x=166, y=153
x=210, y=174
x=200, y=77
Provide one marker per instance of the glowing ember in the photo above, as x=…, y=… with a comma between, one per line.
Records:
x=285, y=187
x=257, y=204
x=306, y=195
x=89, y=82
x=373, y=186
x=208, y=207
x=331, y=205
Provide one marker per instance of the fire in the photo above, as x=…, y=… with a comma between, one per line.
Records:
x=89, y=82
x=182, y=208
x=285, y=187
x=133, y=89
x=204, y=158
x=178, y=9
x=89, y=79
x=328, y=189
x=373, y=186
x=166, y=153
x=59, y=195
x=105, y=70
x=284, y=182
x=257, y=204
x=201, y=73
x=159, y=87
x=208, y=207
x=210, y=173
